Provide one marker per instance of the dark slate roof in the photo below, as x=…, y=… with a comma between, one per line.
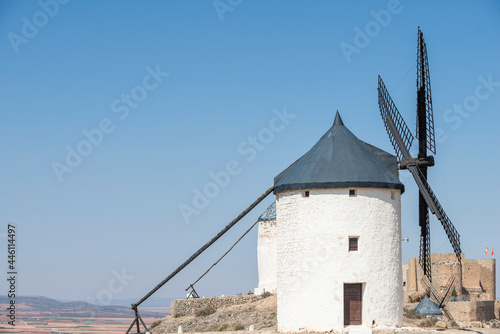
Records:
x=269, y=214
x=340, y=160
x=428, y=307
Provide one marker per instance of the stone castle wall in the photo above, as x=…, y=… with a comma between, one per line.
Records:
x=474, y=278
x=471, y=311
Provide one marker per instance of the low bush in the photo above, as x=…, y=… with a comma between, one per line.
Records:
x=239, y=327
x=155, y=324
x=207, y=310
x=223, y=327
x=412, y=314
x=428, y=322
x=265, y=294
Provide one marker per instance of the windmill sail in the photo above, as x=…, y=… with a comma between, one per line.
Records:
x=424, y=187
x=426, y=140
x=424, y=98
x=389, y=110
x=401, y=139
x=437, y=209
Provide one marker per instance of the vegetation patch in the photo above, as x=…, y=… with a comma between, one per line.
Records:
x=428, y=322
x=223, y=327
x=207, y=310
x=265, y=294
x=412, y=314
x=155, y=324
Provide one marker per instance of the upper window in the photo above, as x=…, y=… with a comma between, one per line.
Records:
x=305, y=193
x=352, y=192
x=353, y=244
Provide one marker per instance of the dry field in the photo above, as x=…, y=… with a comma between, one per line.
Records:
x=42, y=318
x=31, y=322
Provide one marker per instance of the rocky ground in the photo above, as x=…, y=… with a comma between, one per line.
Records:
x=262, y=315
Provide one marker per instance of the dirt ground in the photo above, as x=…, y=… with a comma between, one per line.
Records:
x=402, y=331
x=262, y=315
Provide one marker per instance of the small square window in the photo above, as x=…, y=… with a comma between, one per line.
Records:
x=305, y=193
x=353, y=244
x=352, y=192
x=393, y=195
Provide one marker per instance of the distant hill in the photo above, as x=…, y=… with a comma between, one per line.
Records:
x=150, y=302
x=45, y=305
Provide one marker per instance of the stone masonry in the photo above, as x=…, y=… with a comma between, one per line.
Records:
x=475, y=279
x=188, y=307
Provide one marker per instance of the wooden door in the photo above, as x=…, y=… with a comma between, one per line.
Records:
x=352, y=304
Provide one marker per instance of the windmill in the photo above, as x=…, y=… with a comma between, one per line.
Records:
x=401, y=139
x=381, y=176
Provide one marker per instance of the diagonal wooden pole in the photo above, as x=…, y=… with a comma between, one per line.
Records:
x=198, y=252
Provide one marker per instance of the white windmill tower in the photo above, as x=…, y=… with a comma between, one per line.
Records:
x=338, y=237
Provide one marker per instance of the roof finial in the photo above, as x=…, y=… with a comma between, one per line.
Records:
x=338, y=119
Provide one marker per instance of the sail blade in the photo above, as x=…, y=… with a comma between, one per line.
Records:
x=437, y=209
x=399, y=133
x=425, y=240
x=424, y=98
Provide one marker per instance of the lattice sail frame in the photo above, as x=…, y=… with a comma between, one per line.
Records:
x=424, y=82
x=425, y=247
x=437, y=209
x=387, y=107
x=401, y=139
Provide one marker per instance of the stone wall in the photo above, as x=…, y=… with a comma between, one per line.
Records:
x=471, y=311
x=188, y=307
x=471, y=273
x=474, y=278
x=488, y=278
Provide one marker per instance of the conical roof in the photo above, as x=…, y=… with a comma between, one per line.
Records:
x=428, y=307
x=340, y=160
x=269, y=214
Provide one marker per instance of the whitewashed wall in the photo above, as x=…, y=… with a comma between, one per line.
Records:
x=267, y=257
x=314, y=260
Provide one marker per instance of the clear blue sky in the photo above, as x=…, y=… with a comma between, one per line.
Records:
x=227, y=72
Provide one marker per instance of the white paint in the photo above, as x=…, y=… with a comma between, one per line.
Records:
x=360, y=330
x=267, y=257
x=179, y=330
x=314, y=262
